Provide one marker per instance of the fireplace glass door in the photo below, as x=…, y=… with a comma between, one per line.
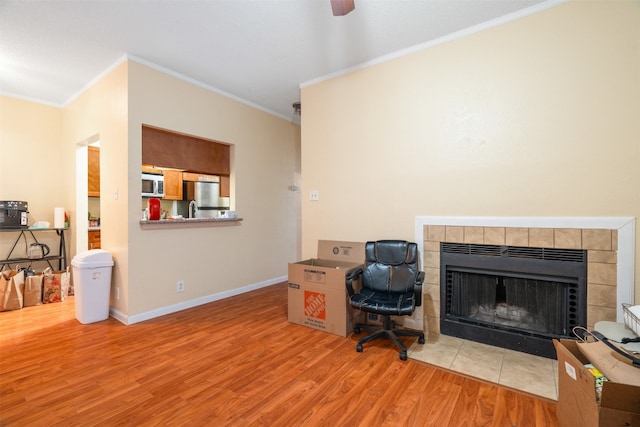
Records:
x=527, y=304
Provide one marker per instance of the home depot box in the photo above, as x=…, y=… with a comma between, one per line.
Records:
x=317, y=295
x=577, y=405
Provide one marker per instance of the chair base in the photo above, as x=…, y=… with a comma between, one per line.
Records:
x=387, y=331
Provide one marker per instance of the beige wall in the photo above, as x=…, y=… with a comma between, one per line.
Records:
x=100, y=113
x=536, y=117
x=213, y=261
x=30, y=132
x=31, y=159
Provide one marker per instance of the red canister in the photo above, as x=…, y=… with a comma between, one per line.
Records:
x=154, y=209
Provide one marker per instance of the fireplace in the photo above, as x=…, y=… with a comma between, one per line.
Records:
x=609, y=242
x=512, y=297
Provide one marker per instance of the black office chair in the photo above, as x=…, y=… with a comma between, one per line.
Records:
x=391, y=286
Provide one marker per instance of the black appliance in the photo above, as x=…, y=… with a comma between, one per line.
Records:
x=13, y=214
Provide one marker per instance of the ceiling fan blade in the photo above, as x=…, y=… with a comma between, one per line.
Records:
x=342, y=7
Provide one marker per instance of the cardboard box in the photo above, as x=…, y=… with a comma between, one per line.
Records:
x=317, y=295
x=577, y=405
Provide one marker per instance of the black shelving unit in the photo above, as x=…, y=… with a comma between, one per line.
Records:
x=24, y=233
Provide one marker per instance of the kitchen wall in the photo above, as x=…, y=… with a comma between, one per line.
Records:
x=214, y=262
x=213, y=259
x=534, y=117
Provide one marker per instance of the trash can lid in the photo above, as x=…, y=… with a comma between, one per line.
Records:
x=92, y=258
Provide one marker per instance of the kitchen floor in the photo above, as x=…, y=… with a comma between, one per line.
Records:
x=521, y=371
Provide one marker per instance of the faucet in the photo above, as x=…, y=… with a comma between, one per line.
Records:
x=193, y=209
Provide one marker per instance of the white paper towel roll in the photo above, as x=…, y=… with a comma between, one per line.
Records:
x=58, y=218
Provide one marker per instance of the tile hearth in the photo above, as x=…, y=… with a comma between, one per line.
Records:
x=609, y=242
x=513, y=369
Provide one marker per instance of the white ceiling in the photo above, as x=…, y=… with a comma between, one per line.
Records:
x=258, y=51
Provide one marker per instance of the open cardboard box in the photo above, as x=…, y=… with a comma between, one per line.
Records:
x=317, y=295
x=577, y=405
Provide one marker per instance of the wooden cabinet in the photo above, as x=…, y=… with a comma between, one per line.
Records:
x=150, y=169
x=94, y=239
x=172, y=181
x=191, y=176
x=172, y=185
x=93, y=168
x=225, y=186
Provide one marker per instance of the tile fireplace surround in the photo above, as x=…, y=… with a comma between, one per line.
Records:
x=609, y=241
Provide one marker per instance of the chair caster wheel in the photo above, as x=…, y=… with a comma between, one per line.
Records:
x=359, y=348
x=403, y=355
x=420, y=340
x=356, y=330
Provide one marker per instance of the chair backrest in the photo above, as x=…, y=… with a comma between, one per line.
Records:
x=390, y=266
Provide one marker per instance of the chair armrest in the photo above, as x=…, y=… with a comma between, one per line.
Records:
x=350, y=278
x=417, y=288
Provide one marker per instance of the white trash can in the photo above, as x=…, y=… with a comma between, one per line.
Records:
x=92, y=284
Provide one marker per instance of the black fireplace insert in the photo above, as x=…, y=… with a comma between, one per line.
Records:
x=513, y=297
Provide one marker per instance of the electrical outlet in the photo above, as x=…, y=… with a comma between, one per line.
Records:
x=314, y=195
x=117, y=293
x=180, y=286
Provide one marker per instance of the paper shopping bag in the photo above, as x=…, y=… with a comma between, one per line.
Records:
x=33, y=290
x=55, y=285
x=11, y=290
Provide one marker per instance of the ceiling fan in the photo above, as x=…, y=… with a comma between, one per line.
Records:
x=342, y=7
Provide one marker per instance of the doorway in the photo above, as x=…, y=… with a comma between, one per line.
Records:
x=87, y=199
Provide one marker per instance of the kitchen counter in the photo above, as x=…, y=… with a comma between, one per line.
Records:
x=188, y=223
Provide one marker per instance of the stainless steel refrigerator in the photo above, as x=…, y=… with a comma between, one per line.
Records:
x=207, y=198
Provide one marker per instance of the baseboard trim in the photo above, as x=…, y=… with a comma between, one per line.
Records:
x=163, y=311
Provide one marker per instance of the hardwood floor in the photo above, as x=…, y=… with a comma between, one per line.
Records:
x=236, y=362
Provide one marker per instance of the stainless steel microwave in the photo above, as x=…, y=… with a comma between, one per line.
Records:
x=152, y=185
